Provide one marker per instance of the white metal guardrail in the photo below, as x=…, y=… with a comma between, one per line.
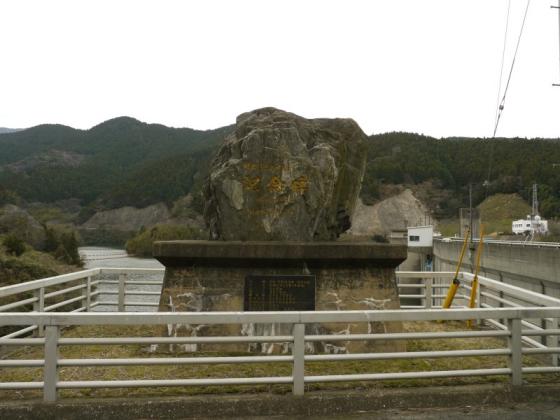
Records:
x=490, y=294
x=521, y=316
x=78, y=292
x=497, y=241
x=298, y=320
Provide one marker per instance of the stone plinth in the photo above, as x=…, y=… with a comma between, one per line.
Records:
x=210, y=276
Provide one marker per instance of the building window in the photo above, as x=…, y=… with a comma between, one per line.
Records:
x=413, y=238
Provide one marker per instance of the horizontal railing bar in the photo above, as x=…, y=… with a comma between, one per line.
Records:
x=407, y=336
x=531, y=325
x=20, y=332
x=159, y=318
x=46, y=282
x=176, y=340
x=424, y=274
x=407, y=375
x=126, y=270
x=22, y=341
x=174, y=382
x=140, y=293
x=21, y=363
x=412, y=286
x=514, y=291
x=412, y=296
x=549, y=331
x=17, y=304
x=65, y=302
x=408, y=355
x=543, y=369
x=412, y=306
x=133, y=282
x=527, y=340
x=127, y=303
x=153, y=361
x=67, y=290
x=502, y=300
x=531, y=350
x=21, y=385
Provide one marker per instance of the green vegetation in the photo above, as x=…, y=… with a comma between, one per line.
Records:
x=121, y=161
x=14, y=245
x=498, y=211
x=514, y=165
x=63, y=244
x=31, y=265
x=141, y=244
x=124, y=162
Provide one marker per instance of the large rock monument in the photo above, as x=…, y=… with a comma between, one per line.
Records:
x=281, y=190
x=279, y=177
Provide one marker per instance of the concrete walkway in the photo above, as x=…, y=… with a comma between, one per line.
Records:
x=483, y=402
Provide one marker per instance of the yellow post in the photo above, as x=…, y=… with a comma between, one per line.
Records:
x=474, y=285
x=456, y=283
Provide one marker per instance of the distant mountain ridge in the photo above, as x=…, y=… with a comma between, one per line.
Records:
x=119, y=162
x=125, y=162
x=4, y=130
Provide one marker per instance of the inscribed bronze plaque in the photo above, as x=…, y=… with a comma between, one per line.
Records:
x=279, y=293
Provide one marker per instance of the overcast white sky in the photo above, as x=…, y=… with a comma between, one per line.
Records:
x=427, y=66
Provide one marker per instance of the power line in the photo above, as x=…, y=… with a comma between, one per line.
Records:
x=503, y=101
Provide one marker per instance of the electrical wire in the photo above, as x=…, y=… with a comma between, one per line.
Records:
x=503, y=101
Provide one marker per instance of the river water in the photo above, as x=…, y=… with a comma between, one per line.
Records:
x=99, y=257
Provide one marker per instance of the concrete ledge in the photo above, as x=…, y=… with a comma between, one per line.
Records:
x=236, y=253
x=313, y=404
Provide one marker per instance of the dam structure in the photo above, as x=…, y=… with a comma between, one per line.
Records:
x=533, y=266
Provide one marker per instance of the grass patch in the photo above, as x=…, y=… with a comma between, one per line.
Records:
x=254, y=369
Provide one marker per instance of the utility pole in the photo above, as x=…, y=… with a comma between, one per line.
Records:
x=470, y=211
x=558, y=7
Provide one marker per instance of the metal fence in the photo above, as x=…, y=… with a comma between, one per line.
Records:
x=81, y=291
x=524, y=318
x=298, y=320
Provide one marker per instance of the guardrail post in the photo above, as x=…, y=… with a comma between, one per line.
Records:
x=298, y=351
x=553, y=340
x=515, y=359
x=478, y=302
x=39, y=306
x=122, y=285
x=88, y=293
x=428, y=283
x=50, y=375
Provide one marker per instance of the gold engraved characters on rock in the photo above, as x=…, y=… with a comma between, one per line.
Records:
x=275, y=185
x=252, y=183
x=300, y=184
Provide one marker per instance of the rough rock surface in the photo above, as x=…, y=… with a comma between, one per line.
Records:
x=393, y=213
x=283, y=177
x=129, y=218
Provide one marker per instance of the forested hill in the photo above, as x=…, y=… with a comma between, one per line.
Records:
x=127, y=162
x=121, y=162
x=511, y=165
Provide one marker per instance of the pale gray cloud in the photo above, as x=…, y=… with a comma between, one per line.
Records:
x=429, y=66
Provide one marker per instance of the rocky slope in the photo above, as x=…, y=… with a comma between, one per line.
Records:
x=393, y=213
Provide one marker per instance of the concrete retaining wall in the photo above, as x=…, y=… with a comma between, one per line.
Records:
x=529, y=266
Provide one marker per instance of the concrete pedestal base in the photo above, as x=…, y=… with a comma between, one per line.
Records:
x=210, y=276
